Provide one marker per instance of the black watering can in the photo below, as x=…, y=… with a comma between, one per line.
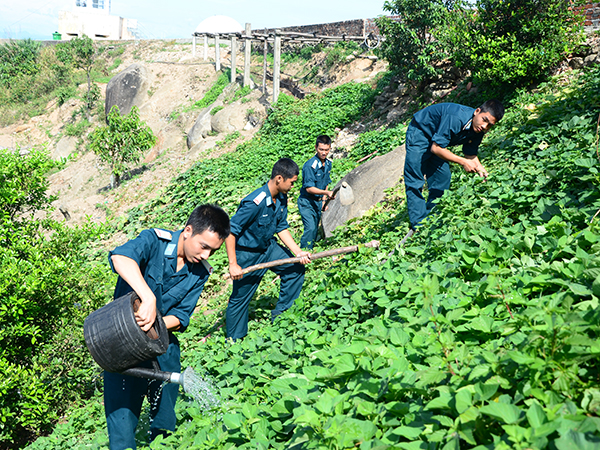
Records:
x=118, y=344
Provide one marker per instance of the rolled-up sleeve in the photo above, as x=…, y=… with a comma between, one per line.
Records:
x=184, y=309
x=139, y=249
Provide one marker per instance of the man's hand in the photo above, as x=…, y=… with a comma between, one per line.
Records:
x=470, y=165
x=305, y=257
x=146, y=314
x=235, y=271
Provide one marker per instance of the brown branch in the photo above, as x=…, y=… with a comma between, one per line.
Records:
x=297, y=259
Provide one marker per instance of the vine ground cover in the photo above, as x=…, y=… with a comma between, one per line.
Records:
x=482, y=333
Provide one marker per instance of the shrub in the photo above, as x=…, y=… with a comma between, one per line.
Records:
x=412, y=44
x=18, y=58
x=515, y=41
x=122, y=141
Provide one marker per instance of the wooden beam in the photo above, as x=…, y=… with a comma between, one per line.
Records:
x=194, y=46
x=217, y=54
x=276, y=67
x=264, y=80
x=233, y=58
x=247, y=54
x=205, y=47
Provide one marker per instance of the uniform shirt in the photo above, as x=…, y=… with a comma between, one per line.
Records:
x=315, y=174
x=258, y=218
x=155, y=252
x=449, y=124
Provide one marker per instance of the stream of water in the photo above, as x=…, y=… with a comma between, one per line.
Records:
x=201, y=390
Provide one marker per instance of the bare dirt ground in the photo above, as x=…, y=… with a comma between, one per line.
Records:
x=176, y=80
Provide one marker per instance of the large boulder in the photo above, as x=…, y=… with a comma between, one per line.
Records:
x=230, y=119
x=64, y=147
x=363, y=188
x=127, y=89
x=201, y=128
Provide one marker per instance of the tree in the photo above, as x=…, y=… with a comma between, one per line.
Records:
x=516, y=41
x=84, y=54
x=412, y=42
x=122, y=141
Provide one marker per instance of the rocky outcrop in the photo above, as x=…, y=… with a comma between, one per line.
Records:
x=229, y=120
x=64, y=148
x=364, y=187
x=201, y=128
x=127, y=89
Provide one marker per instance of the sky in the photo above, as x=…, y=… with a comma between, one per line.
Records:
x=160, y=19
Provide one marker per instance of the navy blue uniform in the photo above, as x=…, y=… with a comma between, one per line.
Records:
x=446, y=124
x=314, y=174
x=155, y=252
x=254, y=224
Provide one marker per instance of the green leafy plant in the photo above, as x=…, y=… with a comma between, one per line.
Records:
x=413, y=43
x=216, y=109
x=516, y=42
x=121, y=142
x=84, y=53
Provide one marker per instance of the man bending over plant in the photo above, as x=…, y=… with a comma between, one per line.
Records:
x=168, y=271
x=430, y=133
x=259, y=216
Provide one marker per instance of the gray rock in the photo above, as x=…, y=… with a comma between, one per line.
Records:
x=590, y=59
x=64, y=148
x=127, y=89
x=200, y=129
x=576, y=62
x=229, y=120
x=364, y=187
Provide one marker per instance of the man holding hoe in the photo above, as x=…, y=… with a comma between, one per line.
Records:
x=259, y=216
x=167, y=270
x=314, y=192
x=430, y=133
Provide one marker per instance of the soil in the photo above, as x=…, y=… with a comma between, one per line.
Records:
x=176, y=80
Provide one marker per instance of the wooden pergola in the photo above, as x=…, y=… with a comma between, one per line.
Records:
x=274, y=37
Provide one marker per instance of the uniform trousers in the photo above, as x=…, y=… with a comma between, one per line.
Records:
x=292, y=279
x=310, y=211
x=124, y=395
x=419, y=164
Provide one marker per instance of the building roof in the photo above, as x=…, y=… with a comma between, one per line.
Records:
x=219, y=24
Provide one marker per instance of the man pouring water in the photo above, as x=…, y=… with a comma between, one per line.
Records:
x=167, y=270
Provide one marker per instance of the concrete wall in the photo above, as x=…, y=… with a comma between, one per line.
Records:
x=95, y=25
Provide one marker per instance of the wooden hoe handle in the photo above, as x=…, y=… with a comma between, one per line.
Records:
x=297, y=259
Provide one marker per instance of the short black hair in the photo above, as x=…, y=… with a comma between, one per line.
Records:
x=285, y=167
x=494, y=107
x=323, y=139
x=209, y=217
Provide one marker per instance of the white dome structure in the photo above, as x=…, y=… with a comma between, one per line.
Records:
x=219, y=25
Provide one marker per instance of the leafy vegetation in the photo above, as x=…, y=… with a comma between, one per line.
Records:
x=122, y=142
x=47, y=285
x=499, y=42
x=502, y=42
x=481, y=333
x=31, y=77
x=414, y=44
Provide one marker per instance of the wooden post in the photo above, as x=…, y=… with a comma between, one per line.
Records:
x=194, y=45
x=264, y=83
x=233, y=58
x=217, y=54
x=247, y=55
x=205, y=47
x=276, y=65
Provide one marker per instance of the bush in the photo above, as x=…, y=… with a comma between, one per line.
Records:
x=49, y=281
x=122, y=141
x=414, y=45
x=515, y=41
x=18, y=58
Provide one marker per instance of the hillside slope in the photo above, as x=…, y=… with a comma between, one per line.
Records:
x=482, y=333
